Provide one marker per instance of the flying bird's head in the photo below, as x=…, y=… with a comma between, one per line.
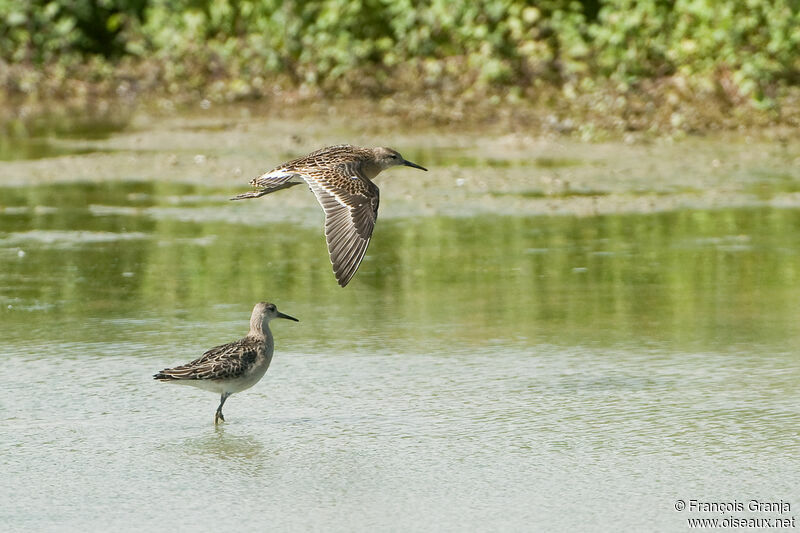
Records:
x=263, y=312
x=386, y=158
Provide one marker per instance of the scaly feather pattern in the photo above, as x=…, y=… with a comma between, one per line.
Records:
x=340, y=178
x=230, y=368
x=227, y=361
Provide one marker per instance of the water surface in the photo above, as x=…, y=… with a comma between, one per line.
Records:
x=479, y=373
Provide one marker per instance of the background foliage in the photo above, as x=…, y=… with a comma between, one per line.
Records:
x=738, y=51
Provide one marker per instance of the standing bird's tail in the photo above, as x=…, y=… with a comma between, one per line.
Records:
x=161, y=376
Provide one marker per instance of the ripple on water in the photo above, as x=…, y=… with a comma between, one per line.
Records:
x=450, y=384
x=67, y=239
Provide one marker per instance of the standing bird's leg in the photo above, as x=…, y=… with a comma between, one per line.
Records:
x=218, y=415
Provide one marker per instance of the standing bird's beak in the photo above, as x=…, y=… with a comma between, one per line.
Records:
x=287, y=317
x=413, y=165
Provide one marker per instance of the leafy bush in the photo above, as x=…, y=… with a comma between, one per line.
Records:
x=39, y=31
x=756, y=42
x=741, y=50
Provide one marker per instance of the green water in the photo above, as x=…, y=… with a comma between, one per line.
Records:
x=483, y=373
x=699, y=279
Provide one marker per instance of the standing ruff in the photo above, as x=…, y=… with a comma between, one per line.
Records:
x=340, y=177
x=231, y=367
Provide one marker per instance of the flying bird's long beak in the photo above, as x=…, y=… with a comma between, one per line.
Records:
x=287, y=317
x=413, y=165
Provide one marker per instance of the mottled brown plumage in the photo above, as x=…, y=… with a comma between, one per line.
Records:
x=340, y=177
x=228, y=361
x=231, y=367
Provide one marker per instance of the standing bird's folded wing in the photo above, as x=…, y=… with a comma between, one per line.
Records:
x=227, y=361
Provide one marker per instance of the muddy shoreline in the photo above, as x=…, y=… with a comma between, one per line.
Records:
x=481, y=169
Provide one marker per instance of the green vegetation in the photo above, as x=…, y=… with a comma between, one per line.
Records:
x=636, y=63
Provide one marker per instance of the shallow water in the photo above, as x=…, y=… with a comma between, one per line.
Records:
x=480, y=373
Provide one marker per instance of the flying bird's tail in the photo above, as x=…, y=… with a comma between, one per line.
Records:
x=252, y=194
x=262, y=192
x=270, y=182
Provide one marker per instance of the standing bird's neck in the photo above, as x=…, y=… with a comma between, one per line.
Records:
x=259, y=329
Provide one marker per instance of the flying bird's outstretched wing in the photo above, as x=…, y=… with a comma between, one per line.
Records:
x=350, y=202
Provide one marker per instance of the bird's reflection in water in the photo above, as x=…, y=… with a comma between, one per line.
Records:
x=227, y=445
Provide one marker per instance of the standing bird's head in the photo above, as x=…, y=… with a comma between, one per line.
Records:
x=386, y=157
x=263, y=312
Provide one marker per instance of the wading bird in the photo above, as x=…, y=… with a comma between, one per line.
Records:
x=231, y=367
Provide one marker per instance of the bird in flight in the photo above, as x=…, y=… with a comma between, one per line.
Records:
x=340, y=177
